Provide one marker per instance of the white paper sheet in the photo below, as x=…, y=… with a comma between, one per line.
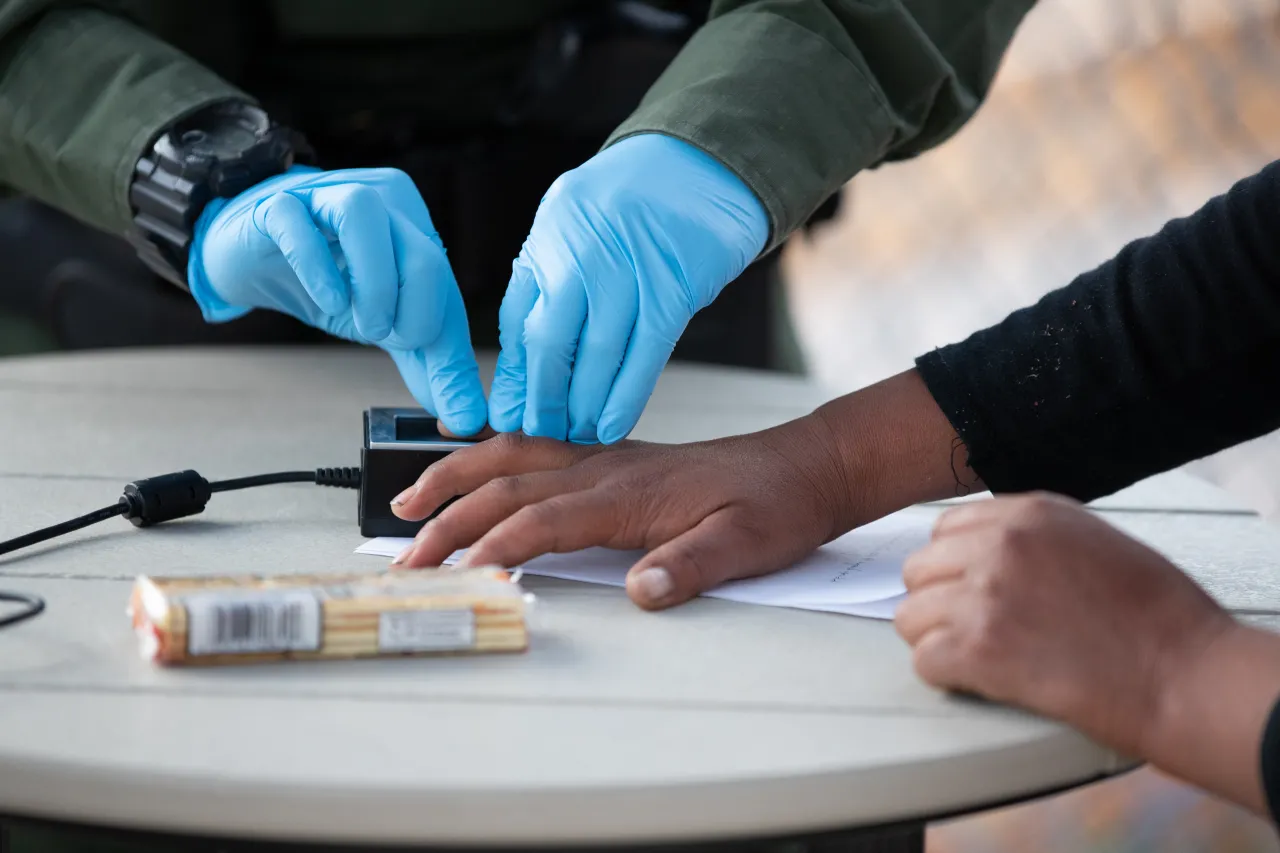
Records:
x=859, y=574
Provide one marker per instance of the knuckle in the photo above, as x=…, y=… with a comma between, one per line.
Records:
x=990, y=583
x=912, y=568
x=1033, y=511
x=506, y=488
x=396, y=177
x=749, y=529
x=984, y=636
x=361, y=200
x=269, y=206
x=545, y=514
x=268, y=214
x=510, y=442
x=694, y=561
x=543, y=336
x=435, y=477
x=442, y=528
x=1053, y=501
x=537, y=522
x=599, y=339
x=904, y=620
x=927, y=665
x=486, y=551
x=650, y=509
x=420, y=268
x=620, y=196
x=1014, y=536
x=570, y=183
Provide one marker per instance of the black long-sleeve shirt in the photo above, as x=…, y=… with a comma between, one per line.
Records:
x=1167, y=353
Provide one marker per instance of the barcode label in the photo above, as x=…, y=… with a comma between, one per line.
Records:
x=426, y=630
x=226, y=623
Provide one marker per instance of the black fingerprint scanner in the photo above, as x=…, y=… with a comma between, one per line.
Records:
x=399, y=444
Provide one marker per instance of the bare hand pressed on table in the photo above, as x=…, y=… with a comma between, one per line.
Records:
x=706, y=512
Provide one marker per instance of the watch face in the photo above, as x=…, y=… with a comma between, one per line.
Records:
x=218, y=134
x=222, y=143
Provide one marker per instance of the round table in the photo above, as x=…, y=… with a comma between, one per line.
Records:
x=713, y=722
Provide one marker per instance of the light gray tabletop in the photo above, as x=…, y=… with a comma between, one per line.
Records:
x=714, y=720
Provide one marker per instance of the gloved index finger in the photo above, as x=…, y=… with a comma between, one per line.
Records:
x=356, y=214
x=647, y=355
x=551, y=333
x=507, y=396
x=612, y=307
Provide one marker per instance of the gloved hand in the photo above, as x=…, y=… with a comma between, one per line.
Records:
x=623, y=251
x=352, y=252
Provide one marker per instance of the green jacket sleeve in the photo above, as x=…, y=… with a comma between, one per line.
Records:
x=83, y=91
x=798, y=96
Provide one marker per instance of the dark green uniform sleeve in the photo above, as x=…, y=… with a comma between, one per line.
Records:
x=82, y=93
x=797, y=96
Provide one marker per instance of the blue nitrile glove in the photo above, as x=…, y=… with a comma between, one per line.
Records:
x=352, y=252
x=624, y=250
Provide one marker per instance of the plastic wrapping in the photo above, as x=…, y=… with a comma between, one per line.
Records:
x=249, y=618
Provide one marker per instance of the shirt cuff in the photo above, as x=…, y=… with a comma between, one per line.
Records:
x=779, y=105
x=991, y=456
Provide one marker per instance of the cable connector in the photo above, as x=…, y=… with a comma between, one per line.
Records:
x=157, y=499
x=340, y=478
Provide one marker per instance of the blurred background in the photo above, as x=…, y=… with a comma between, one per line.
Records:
x=1108, y=118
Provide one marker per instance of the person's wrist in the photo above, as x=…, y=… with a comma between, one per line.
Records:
x=812, y=447
x=1184, y=680
x=895, y=448
x=212, y=306
x=1209, y=713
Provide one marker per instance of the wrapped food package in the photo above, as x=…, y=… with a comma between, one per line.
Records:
x=200, y=621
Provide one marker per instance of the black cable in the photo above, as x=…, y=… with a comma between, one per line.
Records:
x=262, y=480
x=343, y=478
x=158, y=499
x=34, y=607
x=62, y=528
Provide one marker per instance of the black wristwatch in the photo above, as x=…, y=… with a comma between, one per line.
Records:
x=218, y=152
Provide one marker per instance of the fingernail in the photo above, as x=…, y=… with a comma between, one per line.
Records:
x=404, y=555
x=399, y=499
x=655, y=584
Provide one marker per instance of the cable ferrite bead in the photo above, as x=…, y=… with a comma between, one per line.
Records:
x=166, y=497
x=340, y=478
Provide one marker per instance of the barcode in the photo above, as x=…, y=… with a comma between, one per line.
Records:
x=218, y=623
x=259, y=624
